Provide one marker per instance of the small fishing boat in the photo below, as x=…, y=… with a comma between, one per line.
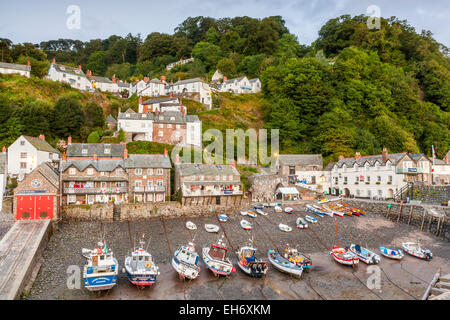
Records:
x=223, y=218
x=246, y=225
x=278, y=209
x=252, y=214
x=310, y=219
x=288, y=210
x=243, y=213
x=338, y=207
x=335, y=212
x=311, y=209
x=344, y=256
x=275, y=204
x=249, y=264
x=101, y=269
x=191, y=226
x=284, y=227
x=266, y=205
x=261, y=212
x=185, y=262
x=140, y=268
x=329, y=200
x=322, y=210
x=211, y=228
x=215, y=258
x=301, y=223
x=258, y=206
x=414, y=249
x=365, y=255
x=295, y=256
x=356, y=211
x=392, y=253
x=282, y=264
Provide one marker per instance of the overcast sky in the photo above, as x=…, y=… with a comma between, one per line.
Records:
x=36, y=21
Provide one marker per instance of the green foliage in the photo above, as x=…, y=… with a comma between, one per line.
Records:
x=94, y=115
x=207, y=53
x=93, y=137
x=67, y=117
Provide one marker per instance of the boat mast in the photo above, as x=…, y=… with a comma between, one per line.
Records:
x=129, y=234
x=337, y=236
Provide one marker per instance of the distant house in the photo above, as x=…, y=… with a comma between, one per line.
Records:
x=75, y=77
x=256, y=85
x=236, y=85
x=217, y=76
x=101, y=150
x=158, y=104
x=124, y=86
x=10, y=68
x=26, y=153
x=111, y=122
x=152, y=88
x=441, y=170
x=302, y=169
x=3, y=174
x=191, y=87
x=102, y=83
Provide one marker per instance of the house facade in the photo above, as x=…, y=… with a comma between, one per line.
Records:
x=152, y=88
x=305, y=170
x=12, y=68
x=256, y=85
x=26, y=153
x=193, y=86
x=75, y=77
x=441, y=170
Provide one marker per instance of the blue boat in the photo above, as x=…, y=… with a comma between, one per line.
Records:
x=185, y=262
x=100, y=272
x=140, y=268
x=284, y=265
x=223, y=218
x=314, y=210
x=249, y=263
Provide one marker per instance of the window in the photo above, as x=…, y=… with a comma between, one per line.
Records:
x=161, y=126
x=159, y=197
x=84, y=151
x=389, y=178
x=150, y=183
x=23, y=155
x=172, y=118
x=377, y=166
x=138, y=171
x=107, y=151
x=380, y=193
x=369, y=193
x=160, y=133
x=102, y=173
x=367, y=167
x=356, y=179
x=23, y=165
x=169, y=126
x=291, y=169
x=159, y=172
x=358, y=192
x=22, y=143
x=72, y=198
x=368, y=179
x=150, y=171
x=50, y=155
x=378, y=178
x=217, y=178
x=72, y=171
x=90, y=171
x=160, y=183
x=103, y=184
x=150, y=197
x=119, y=170
x=230, y=178
x=336, y=181
x=137, y=183
x=177, y=126
x=345, y=179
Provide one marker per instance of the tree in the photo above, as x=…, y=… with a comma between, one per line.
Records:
x=94, y=115
x=212, y=36
x=93, y=137
x=38, y=68
x=97, y=63
x=208, y=53
x=67, y=117
x=227, y=67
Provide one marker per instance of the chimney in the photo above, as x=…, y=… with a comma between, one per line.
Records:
x=233, y=163
x=54, y=60
x=4, y=149
x=69, y=140
x=64, y=156
x=341, y=157
x=79, y=67
x=141, y=100
x=225, y=78
x=146, y=79
x=384, y=154
x=42, y=137
x=163, y=79
x=166, y=153
x=179, y=78
x=89, y=73
x=184, y=110
x=125, y=153
x=114, y=79
x=357, y=155
x=119, y=111
x=28, y=63
x=95, y=156
x=446, y=159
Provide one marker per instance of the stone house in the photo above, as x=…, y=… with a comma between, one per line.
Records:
x=302, y=169
x=441, y=170
x=12, y=68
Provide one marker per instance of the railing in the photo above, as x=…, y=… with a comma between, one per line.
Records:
x=199, y=193
x=91, y=190
x=410, y=170
x=149, y=189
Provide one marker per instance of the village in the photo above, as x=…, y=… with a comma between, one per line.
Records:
x=296, y=216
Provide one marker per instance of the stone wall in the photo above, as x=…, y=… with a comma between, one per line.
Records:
x=412, y=214
x=264, y=186
x=103, y=212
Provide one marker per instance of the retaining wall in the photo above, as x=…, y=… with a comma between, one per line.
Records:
x=103, y=212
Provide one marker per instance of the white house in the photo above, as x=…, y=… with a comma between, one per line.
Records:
x=75, y=77
x=256, y=85
x=159, y=104
x=152, y=88
x=124, y=86
x=217, y=76
x=26, y=153
x=139, y=126
x=102, y=83
x=236, y=85
x=9, y=68
x=441, y=170
x=3, y=175
x=195, y=85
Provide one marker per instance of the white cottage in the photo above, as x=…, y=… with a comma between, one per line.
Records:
x=195, y=85
x=152, y=88
x=236, y=85
x=75, y=77
x=256, y=85
x=10, y=68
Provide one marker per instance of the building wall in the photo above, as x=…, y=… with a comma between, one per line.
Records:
x=14, y=71
x=14, y=159
x=144, y=178
x=75, y=81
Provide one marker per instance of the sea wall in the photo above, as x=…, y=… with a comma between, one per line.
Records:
x=101, y=212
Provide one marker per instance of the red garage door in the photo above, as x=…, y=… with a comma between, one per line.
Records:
x=34, y=207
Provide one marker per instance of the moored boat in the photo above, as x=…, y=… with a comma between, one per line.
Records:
x=251, y=214
x=311, y=209
x=414, y=249
x=185, y=262
x=295, y=256
x=246, y=225
x=301, y=223
x=211, y=228
x=101, y=269
x=243, y=213
x=284, y=227
x=261, y=212
x=364, y=254
x=215, y=258
x=335, y=212
x=392, y=253
x=140, y=268
x=249, y=263
x=322, y=210
x=310, y=219
x=282, y=264
x=288, y=210
x=191, y=226
x=344, y=256
x=278, y=209
x=223, y=218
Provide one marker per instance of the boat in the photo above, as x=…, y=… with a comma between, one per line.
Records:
x=311, y=209
x=211, y=228
x=329, y=200
x=275, y=204
x=261, y=212
x=414, y=249
x=223, y=218
x=392, y=253
x=288, y=210
x=295, y=256
x=191, y=226
x=266, y=205
x=249, y=263
x=282, y=264
x=310, y=219
x=364, y=254
x=243, y=213
x=278, y=209
x=284, y=227
x=140, y=268
x=251, y=214
x=344, y=256
x=359, y=211
x=258, y=206
x=341, y=209
x=100, y=271
x=334, y=212
x=215, y=258
x=246, y=225
x=322, y=210
x=301, y=223
x=185, y=262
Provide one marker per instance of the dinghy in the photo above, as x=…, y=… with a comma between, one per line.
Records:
x=215, y=258
x=191, y=226
x=334, y=212
x=223, y=218
x=344, y=256
x=243, y=213
x=266, y=205
x=284, y=265
x=185, y=262
x=311, y=219
x=251, y=214
x=284, y=227
x=414, y=249
x=258, y=206
x=311, y=209
x=295, y=256
x=322, y=210
x=365, y=255
x=261, y=212
x=211, y=228
x=288, y=210
x=278, y=209
x=275, y=204
x=301, y=223
x=391, y=253
x=248, y=263
x=246, y=225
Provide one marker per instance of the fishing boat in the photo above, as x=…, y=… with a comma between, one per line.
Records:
x=278, y=209
x=329, y=200
x=243, y=213
x=261, y=212
x=301, y=223
x=284, y=227
x=258, y=206
x=334, y=212
x=341, y=209
x=344, y=256
x=100, y=271
x=288, y=210
x=140, y=268
x=392, y=253
x=414, y=249
x=211, y=228
x=249, y=263
x=223, y=218
x=311, y=209
x=251, y=214
x=215, y=258
x=295, y=256
x=364, y=254
x=322, y=210
x=353, y=209
x=191, y=226
x=185, y=262
x=246, y=225
x=282, y=264
x=310, y=219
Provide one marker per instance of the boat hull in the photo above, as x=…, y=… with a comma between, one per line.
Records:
x=372, y=259
x=185, y=271
x=386, y=252
x=349, y=259
x=143, y=280
x=287, y=267
x=100, y=282
x=251, y=271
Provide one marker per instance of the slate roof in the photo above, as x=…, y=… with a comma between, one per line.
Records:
x=394, y=158
x=233, y=80
x=193, y=80
x=329, y=166
x=253, y=80
x=148, y=161
x=68, y=69
x=41, y=145
x=192, y=118
x=159, y=100
x=21, y=67
x=135, y=116
x=101, y=79
x=190, y=169
x=300, y=159
x=76, y=150
x=123, y=84
x=106, y=165
x=110, y=118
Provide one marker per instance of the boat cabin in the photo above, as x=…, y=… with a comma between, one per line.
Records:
x=140, y=259
x=218, y=252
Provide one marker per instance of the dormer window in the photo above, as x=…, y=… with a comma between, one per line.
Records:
x=172, y=118
x=90, y=171
x=72, y=171
x=107, y=151
x=84, y=151
x=367, y=166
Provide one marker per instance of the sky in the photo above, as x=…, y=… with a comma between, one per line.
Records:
x=36, y=21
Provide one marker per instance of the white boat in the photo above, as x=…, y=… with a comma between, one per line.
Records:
x=301, y=223
x=246, y=225
x=278, y=209
x=288, y=210
x=311, y=219
x=251, y=214
x=249, y=263
x=140, y=267
x=211, y=228
x=344, y=256
x=185, y=262
x=215, y=259
x=191, y=226
x=243, y=213
x=364, y=254
x=329, y=200
x=335, y=212
x=275, y=204
x=261, y=212
x=284, y=227
x=323, y=210
x=266, y=205
x=101, y=269
x=414, y=249
x=284, y=265
x=223, y=218
x=392, y=253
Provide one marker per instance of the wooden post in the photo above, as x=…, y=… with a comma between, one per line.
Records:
x=400, y=212
x=438, y=225
x=423, y=219
x=429, y=222
x=388, y=212
x=410, y=215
